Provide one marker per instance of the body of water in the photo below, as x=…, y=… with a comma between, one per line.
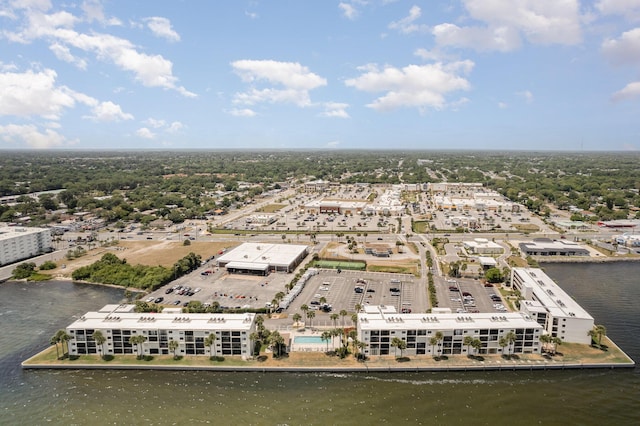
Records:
x=31, y=312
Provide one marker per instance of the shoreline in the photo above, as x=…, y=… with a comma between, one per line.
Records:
x=574, y=358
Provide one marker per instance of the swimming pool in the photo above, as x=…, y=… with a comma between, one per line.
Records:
x=308, y=339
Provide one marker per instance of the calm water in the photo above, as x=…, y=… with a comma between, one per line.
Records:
x=31, y=313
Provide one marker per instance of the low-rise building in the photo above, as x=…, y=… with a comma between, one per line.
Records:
x=483, y=246
x=378, y=325
x=260, y=258
x=550, y=306
x=118, y=323
x=548, y=247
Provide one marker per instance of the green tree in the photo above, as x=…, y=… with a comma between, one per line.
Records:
x=100, y=341
x=64, y=340
x=467, y=341
x=494, y=275
x=334, y=317
x=597, y=332
x=343, y=313
x=24, y=270
x=435, y=341
x=296, y=318
x=398, y=343
x=326, y=336
x=310, y=315
x=210, y=340
x=277, y=342
x=511, y=339
x=173, y=347
x=138, y=340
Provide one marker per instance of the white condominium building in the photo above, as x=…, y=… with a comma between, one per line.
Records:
x=118, y=323
x=551, y=307
x=378, y=325
x=20, y=243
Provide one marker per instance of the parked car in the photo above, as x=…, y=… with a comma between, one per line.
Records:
x=158, y=300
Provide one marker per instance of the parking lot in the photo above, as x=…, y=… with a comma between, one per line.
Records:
x=345, y=290
x=229, y=290
x=468, y=296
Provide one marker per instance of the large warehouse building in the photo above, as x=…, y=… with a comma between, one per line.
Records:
x=261, y=259
x=20, y=243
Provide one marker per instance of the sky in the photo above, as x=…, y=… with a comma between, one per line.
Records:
x=320, y=74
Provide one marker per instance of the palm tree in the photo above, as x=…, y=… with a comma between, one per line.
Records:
x=545, y=339
x=138, y=340
x=357, y=307
x=173, y=347
x=210, y=340
x=55, y=339
x=600, y=330
x=468, y=341
x=354, y=319
x=334, y=317
x=276, y=340
x=326, y=336
x=556, y=341
x=254, y=337
x=310, y=316
x=304, y=308
x=343, y=313
x=511, y=339
x=100, y=340
x=398, y=343
x=439, y=338
x=296, y=318
x=503, y=343
x=64, y=340
x=322, y=300
x=360, y=346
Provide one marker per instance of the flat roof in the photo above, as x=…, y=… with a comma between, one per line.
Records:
x=261, y=253
x=393, y=321
x=8, y=232
x=106, y=318
x=549, y=294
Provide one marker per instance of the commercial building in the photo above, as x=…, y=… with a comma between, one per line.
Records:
x=548, y=247
x=483, y=246
x=118, y=323
x=550, y=306
x=378, y=325
x=261, y=259
x=20, y=243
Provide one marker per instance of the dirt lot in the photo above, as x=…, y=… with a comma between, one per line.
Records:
x=152, y=253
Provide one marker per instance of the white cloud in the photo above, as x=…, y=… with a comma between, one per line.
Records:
x=296, y=79
x=406, y=25
x=504, y=22
x=630, y=91
x=64, y=54
x=145, y=133
x=30, y=135
x=630, y=9
x=333, y=144
x=161, y=27
x=175, y=126
x=414, y=85
x=57, y=28
x=503, y=39
x=244, y=112
x=348, y=10
x=624, y=50
x=156, y=124
x=527, y=95
x=108, y=111
x=503, y=105
x=335, y=110
x=33, y=93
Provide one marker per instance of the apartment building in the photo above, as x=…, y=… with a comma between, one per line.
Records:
x=20, y=243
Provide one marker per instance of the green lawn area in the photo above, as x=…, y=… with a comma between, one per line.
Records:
x=271, y=208
x=335, y=264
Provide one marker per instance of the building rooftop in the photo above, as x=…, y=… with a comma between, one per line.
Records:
x=261, y=253
x=549, y=294
x=123, y=317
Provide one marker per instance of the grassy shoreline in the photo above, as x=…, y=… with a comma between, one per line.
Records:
x=570, y=356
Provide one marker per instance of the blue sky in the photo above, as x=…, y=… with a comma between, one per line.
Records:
x=320, y=74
